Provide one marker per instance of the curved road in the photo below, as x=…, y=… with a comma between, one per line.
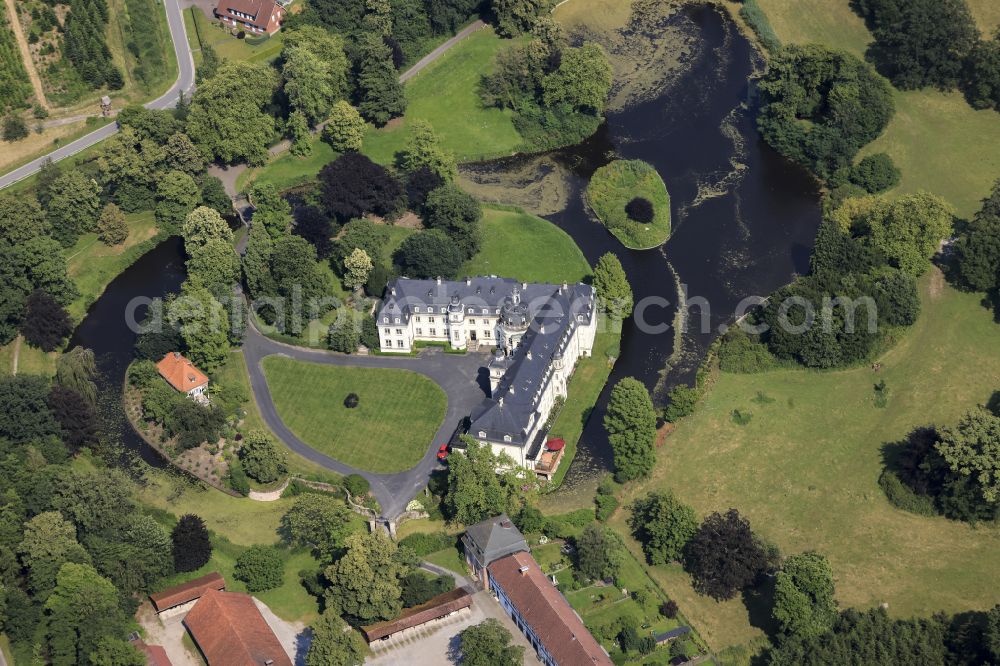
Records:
x=184, y=82
x=456, y=374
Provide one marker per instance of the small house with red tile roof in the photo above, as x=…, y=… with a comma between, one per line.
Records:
x=155, y=654
x=179, y=595
x=184, y=376
x=229, y=630
x=548, y=621
x=254, y=16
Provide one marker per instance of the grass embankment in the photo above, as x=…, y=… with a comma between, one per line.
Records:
x=389, y=431
x=92, y=265
x=522, y=246
x=614, y=185
x=936, y=139
x=805, y=470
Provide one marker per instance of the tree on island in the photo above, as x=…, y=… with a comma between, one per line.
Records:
x=192, y=547
x=640, y=210
x=489, y=644
x=614, y=293
x=630, y=422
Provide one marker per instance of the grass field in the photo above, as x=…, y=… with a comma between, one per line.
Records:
x=93, y=265
x=936, y=139
x=445, y=95
x=449, y=558
x=805, y=469
x=390, y=429
x=523, y=246
x=614, y=185
x=31, y=361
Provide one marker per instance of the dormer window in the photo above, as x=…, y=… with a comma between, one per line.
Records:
x=416, y=309
x=486, y=311
x=397, y=320
x=506, y=438
x=385, y=320
x=482, y=433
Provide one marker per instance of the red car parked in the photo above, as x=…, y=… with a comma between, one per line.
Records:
x=443, y=452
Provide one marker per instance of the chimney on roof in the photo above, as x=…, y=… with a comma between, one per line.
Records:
x=439, y=279
x=523, y=570
x=392, y=291
x=177, y=354
x=529, y=355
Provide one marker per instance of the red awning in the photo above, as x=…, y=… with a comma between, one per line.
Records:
x=555, y=444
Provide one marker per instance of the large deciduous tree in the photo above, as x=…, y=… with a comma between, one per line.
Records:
x=260, y=567
x=203, y=323
x=112, y=228
x=81, y=611
x=74, y=206
x=364, y=582
x=25, y=415
x=176, y=196
x=663, y=525
x=515, y=17
x=381, y=93
x=319, y=522
x=345, y=129
x=76, y=369
x=581, y=81
x=972, y=449
x=261, y=458
x=423, y=149
x=428, y=254
x=803, y=595
x=723, y=556
x=600, y=553
x=456, y=213
x=76, y=415
x=977, y=250
x=46, y=323
x=476, y=489
x=353, y=185
x=631, y=425
x=227, y=119
x=310, y=83
x=489, y=644
x=49, y=542
x=271, y=210
x=357, y=266
x=334, y=643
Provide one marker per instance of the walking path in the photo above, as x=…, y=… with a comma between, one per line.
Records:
x=439, y=51
x=184, y=83
x=456, y=374
x=29, y=64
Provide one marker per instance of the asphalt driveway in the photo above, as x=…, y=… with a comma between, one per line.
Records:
x=460, y=376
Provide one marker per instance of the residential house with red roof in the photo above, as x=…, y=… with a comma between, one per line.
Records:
x=184, y=376
x=255, y=16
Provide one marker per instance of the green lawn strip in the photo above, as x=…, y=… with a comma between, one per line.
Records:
x=93, y=265
x=234, y=373
x=449, y=558
x=589, y=378
x=938, y=141
x=804, y=470
x=522, y=246
x=446, y=95
x=390, y=429
x=614, y=185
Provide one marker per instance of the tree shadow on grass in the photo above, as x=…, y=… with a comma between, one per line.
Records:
x=759, y=600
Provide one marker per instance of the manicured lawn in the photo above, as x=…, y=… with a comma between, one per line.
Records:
x=289, y=170
x=234, y=373
x=32, y=361
x=93, y=265
x=805, y=469
x=445, y=95
x=450, y=559
x=936, y=139
x=614, y=185
x=390, y=429
x=523, y=246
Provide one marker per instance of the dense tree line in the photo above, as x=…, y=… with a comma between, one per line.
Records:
x=934, y=43
x=85, y=45
x=976, y=257
x=819, y=107
x=557, y=92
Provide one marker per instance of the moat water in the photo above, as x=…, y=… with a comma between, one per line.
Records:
x=744, y=220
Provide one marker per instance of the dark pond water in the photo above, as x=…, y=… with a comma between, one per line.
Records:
x=744, y=218
x=744, y=221
x=106, y=331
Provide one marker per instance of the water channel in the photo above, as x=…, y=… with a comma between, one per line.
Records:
x=744, y=220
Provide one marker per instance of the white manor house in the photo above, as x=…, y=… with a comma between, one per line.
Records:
x=537, y=332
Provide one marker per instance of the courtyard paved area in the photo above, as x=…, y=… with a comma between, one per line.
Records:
x=436, y=643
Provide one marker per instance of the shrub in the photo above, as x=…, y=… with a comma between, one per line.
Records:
x=14, y=128
x=875, y=173
x=742, y=416
x=351, y=401
x=238, y=479
x=605, y=506
x=740, y=354
x=755, y=17
x=903, y=497
x=418, y=587
x=192, y=548
x=424, y=544
x=683, y=400
x=356, y=485
x=668, y=609
x=640, y=210
x=260, y=568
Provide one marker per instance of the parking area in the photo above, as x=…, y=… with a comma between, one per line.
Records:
x=436, y=642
